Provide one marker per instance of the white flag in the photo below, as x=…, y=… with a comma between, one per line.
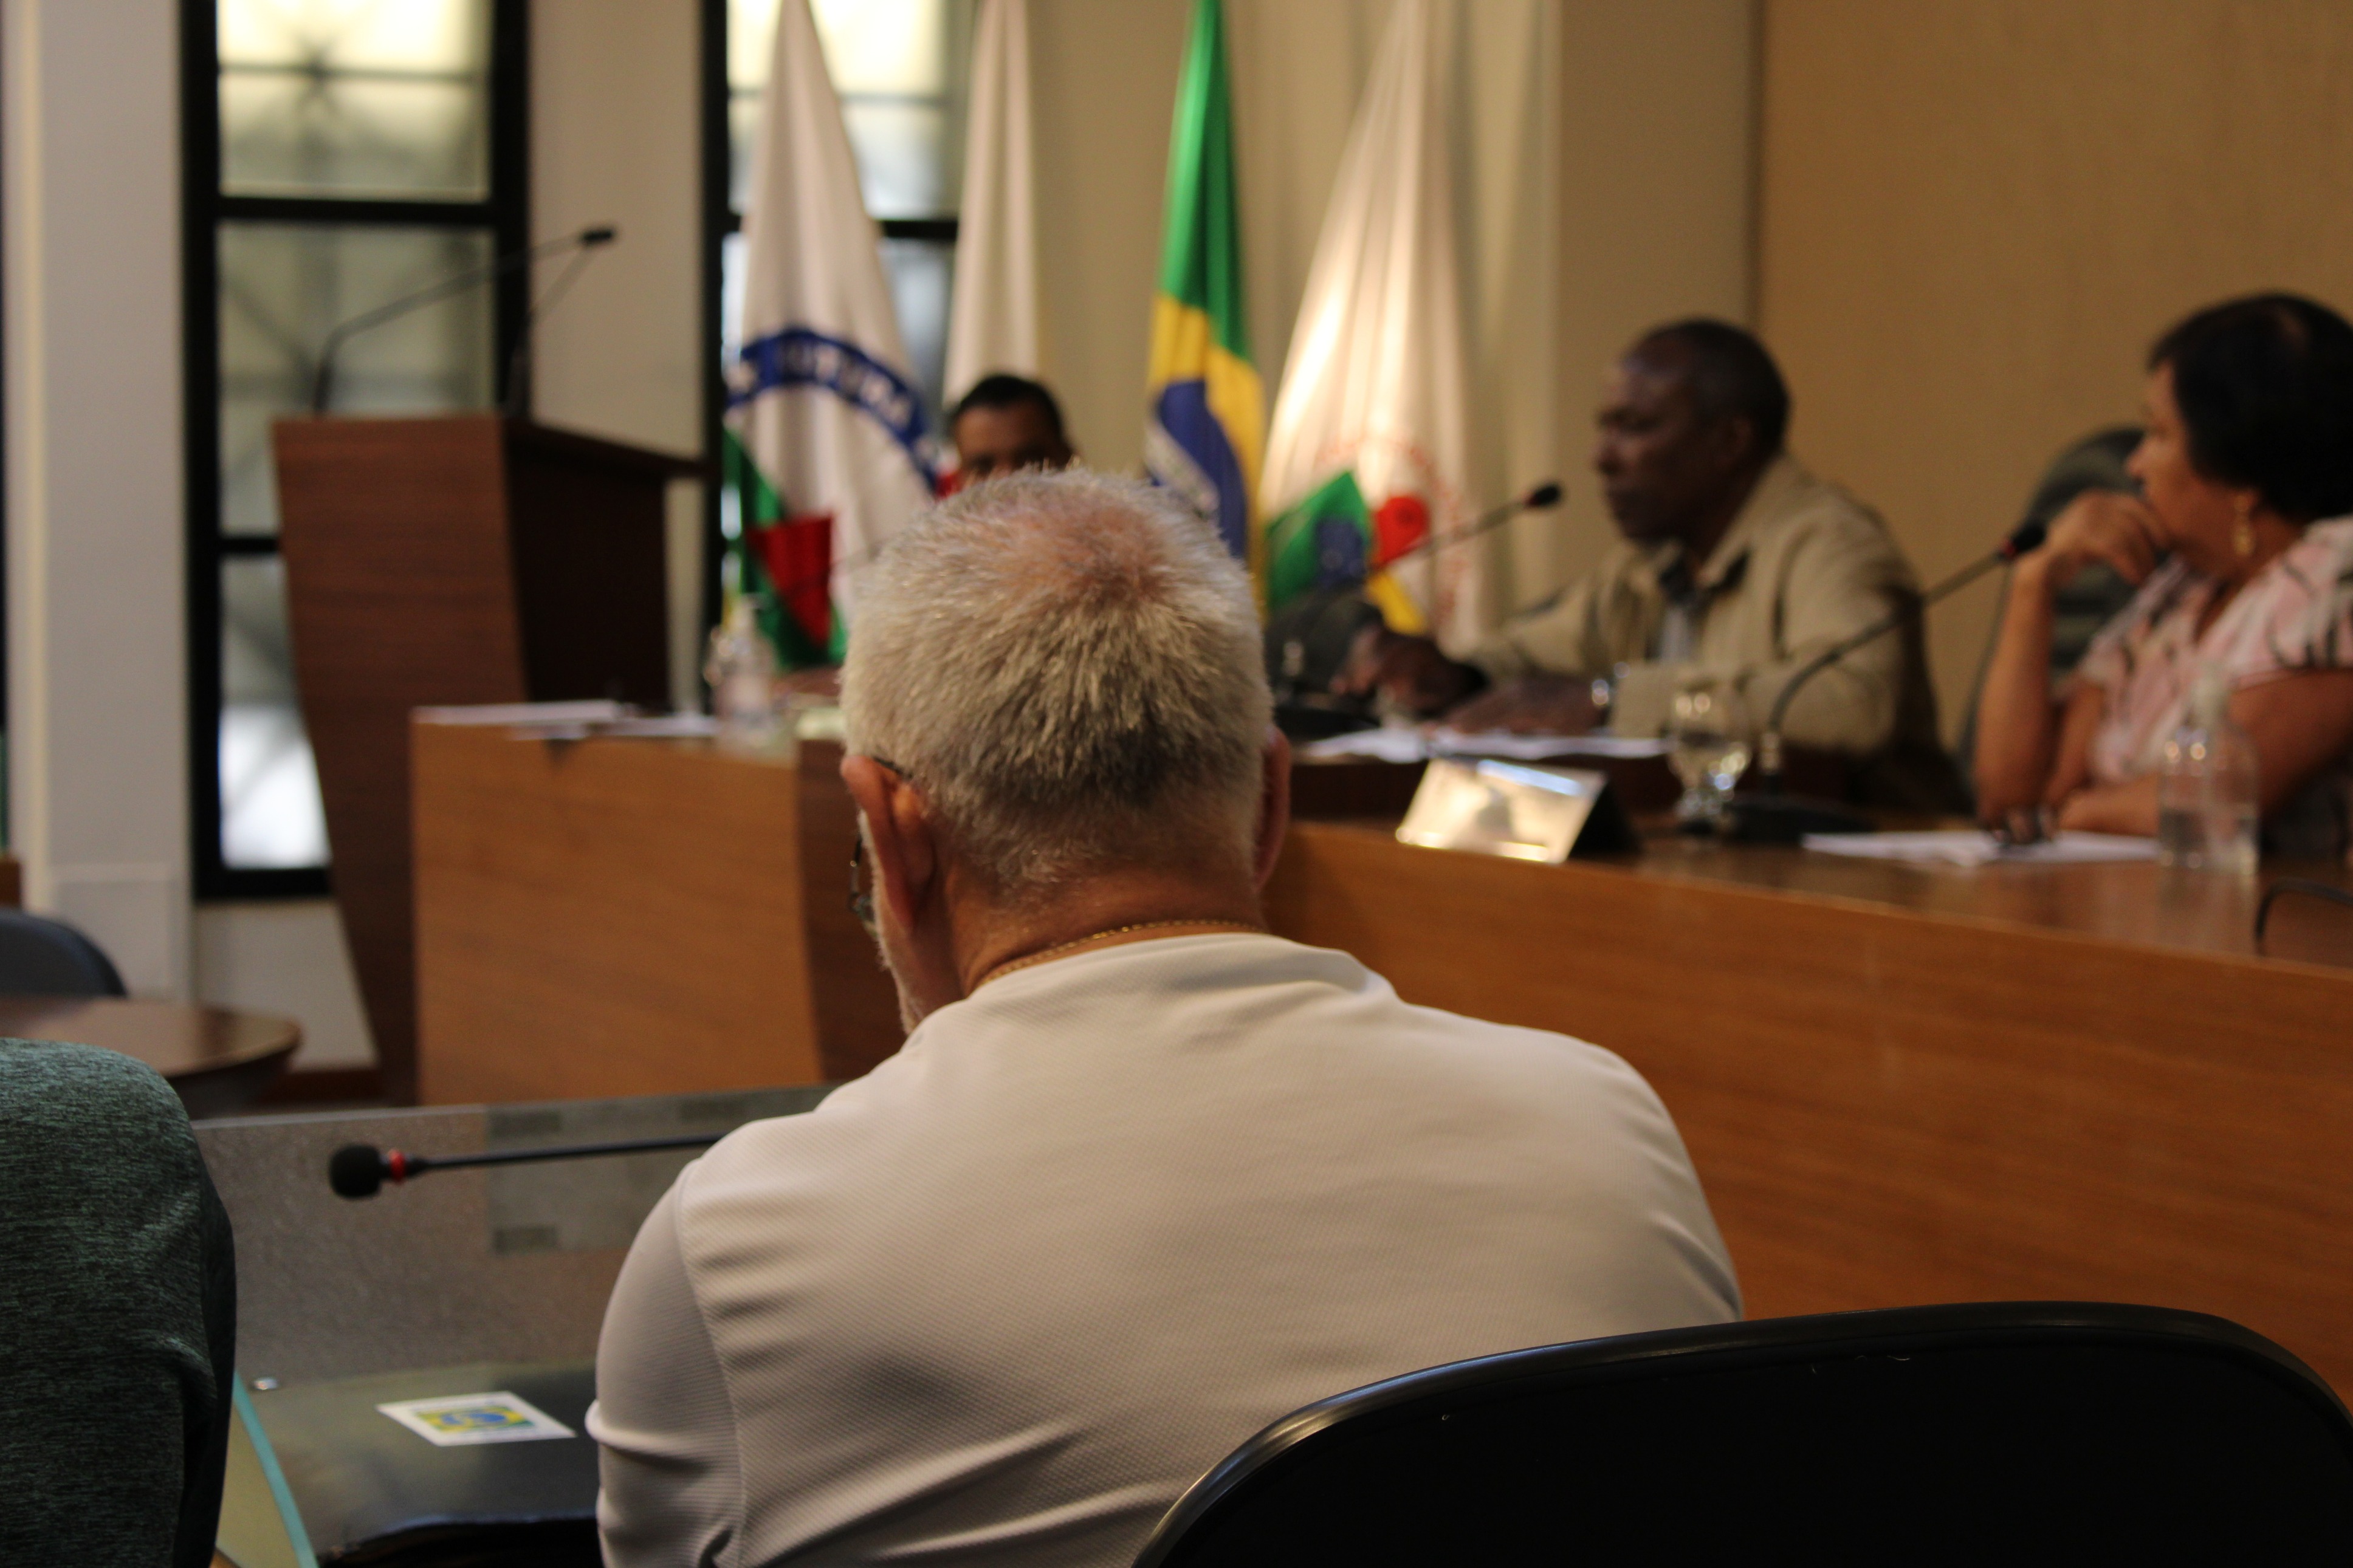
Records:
x=821, y=395
x=1377, y=382
x=993, y=319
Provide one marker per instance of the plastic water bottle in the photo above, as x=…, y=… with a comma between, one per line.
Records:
x=2206, y=795
x=742, y=669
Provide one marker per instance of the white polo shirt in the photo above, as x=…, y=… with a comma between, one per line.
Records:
x=1003, y=1299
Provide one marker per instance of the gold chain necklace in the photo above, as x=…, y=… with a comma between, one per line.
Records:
x=1042, y=954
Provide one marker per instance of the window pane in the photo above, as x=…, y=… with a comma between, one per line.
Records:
x=922, y=275
x=284, y=287
x=270, y=815
x=894, y=46
x=899, y=65
x=355, y=98
x=903, y=166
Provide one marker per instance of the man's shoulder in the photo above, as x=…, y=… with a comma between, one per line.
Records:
x=1811, y=519
x=1800, y=500
x=1263, y=1024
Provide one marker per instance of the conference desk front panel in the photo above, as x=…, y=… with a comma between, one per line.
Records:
x=1897, y=1102
x=621, y=917
x=1899, y=1085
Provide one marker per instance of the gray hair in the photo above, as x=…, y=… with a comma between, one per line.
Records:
x=1068, y=667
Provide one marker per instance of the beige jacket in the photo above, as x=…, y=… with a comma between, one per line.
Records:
x=1802, y=565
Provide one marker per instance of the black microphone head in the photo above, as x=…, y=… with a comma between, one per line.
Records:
x=356, y=1170
x=599, y=234
x=1544, y=498
x=2028, y=535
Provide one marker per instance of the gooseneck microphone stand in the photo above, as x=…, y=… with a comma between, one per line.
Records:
x=361, y=1170
x=1771, y=818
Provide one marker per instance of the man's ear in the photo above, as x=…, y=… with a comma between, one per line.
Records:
x=1735, y=441
x=1274, y=804
x=898, y=835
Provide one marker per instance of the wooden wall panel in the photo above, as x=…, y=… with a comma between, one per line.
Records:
x=1892, y=1106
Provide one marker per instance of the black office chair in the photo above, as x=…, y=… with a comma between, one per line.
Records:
x=1994, y=1433
x=2096, y=594
x=45, y=957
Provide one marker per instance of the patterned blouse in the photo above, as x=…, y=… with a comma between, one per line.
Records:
x=2295, y=615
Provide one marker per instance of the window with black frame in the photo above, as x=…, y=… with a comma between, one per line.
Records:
x=901, y=68
x=340, y=154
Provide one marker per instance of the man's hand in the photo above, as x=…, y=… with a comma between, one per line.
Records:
x=1533, y=705
x=1410, y=671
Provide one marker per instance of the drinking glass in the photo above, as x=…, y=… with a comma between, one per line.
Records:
x=1709, y=736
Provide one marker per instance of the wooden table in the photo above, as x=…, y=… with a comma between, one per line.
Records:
x=1903, y=1085
x=219, y=1060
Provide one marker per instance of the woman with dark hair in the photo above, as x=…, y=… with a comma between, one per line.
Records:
x=2246, y=478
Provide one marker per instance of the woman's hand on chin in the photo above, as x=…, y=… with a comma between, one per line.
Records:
x=2101, y=525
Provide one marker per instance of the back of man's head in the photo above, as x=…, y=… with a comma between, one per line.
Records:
x=1731, y=374
x=1066, y=666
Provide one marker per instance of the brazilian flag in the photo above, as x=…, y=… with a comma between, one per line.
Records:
x=1207, y=430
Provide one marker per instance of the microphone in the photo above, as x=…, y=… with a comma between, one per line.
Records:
x=1542, y=497
x=1308, y=643
x=359, y=1171
x=1777, y=819
x=322, y=383
x=526, y=349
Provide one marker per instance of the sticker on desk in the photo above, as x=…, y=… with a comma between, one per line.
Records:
x=457, y=1419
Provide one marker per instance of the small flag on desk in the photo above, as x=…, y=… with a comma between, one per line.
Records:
x=1334, y=540
x=1207, y=419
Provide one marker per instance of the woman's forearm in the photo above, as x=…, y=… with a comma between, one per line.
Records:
x=2016, y=720
x=2113, y=808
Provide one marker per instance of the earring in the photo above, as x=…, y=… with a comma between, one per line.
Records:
x=2242, y=532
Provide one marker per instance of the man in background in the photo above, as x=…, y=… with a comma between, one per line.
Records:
x=1733, y=561
x=1006, y=423
x=1144, y=1177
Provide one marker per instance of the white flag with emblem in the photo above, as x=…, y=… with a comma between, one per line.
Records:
x=992, y=321
x=1376, y=382
x=821, y=398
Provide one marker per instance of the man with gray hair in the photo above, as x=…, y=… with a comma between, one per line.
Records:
x=1144, y=1177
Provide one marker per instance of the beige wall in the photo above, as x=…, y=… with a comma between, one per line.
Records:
x=615, y=138
x=1976, y=216
x=1105, y=80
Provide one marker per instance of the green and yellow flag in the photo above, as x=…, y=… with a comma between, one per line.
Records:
x=1205, y=430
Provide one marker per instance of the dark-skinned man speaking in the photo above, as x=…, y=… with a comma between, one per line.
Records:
x=1733, y=561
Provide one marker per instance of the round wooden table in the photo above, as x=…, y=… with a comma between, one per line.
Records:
x=218, y=1059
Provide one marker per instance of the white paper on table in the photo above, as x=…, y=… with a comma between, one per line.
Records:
x=463, y=1420
x=659, y=727
x=1371, y=745
x=1403, y=745
x=594, y=710
x=1536, y=748
x=1975, y=846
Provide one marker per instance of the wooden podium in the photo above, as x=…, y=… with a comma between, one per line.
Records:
x=467, y=559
